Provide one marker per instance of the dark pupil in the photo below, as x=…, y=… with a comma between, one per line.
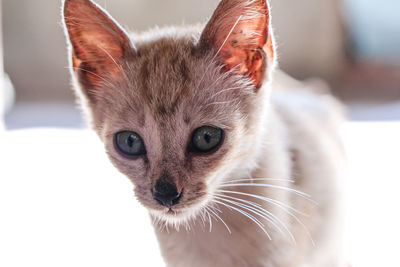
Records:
x=207, y=137
x=131, y=140
x=130, y=143
x=134, y=144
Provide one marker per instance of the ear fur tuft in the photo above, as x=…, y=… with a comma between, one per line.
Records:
x=98, y=43
x=239, y=33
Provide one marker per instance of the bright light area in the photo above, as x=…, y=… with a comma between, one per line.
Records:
x=63, y=204
x=373, y=196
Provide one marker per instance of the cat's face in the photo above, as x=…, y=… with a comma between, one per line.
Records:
x=176, y=115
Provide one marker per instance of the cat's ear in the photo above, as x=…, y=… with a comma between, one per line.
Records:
x=239, y=34
x=98, y=43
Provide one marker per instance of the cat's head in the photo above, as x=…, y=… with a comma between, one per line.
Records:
x=178, y=113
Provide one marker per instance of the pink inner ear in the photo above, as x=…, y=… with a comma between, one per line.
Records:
x=238, y=31
x=98, y=42
x=100, y=54
x=243, y=49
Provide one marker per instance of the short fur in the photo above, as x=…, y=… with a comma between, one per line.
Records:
x=166, y=83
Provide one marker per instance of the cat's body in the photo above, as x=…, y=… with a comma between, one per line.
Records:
x=190, y=115
x=299, y=143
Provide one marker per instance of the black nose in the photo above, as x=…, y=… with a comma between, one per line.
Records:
x=166, y=193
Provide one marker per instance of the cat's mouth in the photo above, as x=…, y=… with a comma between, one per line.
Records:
x=172, y=216
x=172, y=211
x=175, y=212
x=175, y=216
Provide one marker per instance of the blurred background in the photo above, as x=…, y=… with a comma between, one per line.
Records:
x=353, y=45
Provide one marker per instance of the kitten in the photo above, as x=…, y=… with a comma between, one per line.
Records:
x=219, y=159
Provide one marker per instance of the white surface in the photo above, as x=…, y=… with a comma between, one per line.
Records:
x=63, y=204
x=373, y=194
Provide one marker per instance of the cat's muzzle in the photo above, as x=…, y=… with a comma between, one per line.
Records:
x=166, y=193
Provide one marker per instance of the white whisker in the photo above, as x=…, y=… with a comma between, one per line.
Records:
x=266, y=199
x=202, y=215
x=209, y=219
x=259, y=179
x=219, y=50
x=219, y=103
x=281, y=205
x=255, y=211
x=113, y=59
x=299, y=193
x=166, y=226
x=265, y=212
x=98, y=76
x=223, y=76
x=227, y=89
x=218, y=217
x=249, y=216
x=229, y=34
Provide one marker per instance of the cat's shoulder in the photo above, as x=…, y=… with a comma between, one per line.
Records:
x=309, y=101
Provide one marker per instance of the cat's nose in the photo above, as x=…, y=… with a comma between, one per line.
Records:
x=166, y=193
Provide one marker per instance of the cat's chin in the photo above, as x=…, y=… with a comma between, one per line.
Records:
x=176, y=217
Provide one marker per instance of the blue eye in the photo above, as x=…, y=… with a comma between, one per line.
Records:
x=206, y=139
x=129, y=144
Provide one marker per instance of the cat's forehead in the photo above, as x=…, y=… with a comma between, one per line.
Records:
x=171, y=76
x=165, y=72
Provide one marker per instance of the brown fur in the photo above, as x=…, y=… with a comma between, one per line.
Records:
x=166, y=84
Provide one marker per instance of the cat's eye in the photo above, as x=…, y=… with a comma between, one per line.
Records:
x=129, y=144
x=206, y=139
